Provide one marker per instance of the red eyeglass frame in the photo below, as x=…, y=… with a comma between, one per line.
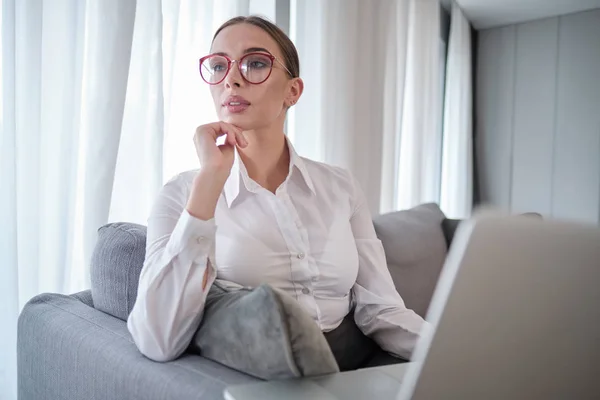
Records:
x=231, y=61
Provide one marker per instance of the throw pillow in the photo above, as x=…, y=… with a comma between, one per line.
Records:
x=262, y=332
x=115, y=267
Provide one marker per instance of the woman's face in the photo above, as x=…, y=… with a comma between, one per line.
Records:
x=259, y=105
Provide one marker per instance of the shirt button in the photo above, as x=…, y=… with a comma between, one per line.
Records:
x=305, y=290
x=301, y=256
x=200, y=239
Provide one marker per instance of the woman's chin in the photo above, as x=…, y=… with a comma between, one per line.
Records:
x=238, y=120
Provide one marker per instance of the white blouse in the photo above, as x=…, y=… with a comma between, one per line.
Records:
x=314, y=239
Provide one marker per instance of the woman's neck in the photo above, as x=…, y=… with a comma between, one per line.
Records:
x=267, y=157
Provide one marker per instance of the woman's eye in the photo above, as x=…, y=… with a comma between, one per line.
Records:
x=218, y=68
x=257, y=64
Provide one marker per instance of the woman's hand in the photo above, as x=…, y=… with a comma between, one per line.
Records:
x=215, y=166
x=218, y=159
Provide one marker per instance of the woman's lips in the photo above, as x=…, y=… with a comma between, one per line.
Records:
x=236, y=104
x=236, y=108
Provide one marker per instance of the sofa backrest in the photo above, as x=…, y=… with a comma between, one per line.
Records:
x=415, y=242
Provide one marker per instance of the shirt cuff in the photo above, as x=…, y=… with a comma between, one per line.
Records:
x=192, y=239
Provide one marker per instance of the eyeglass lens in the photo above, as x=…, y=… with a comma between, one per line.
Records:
x=254, y=67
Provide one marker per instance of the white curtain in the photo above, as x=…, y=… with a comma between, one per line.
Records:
x=64, y=72
x=457, y=164
x=372, y=100
x=99, y=103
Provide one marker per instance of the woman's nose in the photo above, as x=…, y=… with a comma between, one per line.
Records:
x=234, y=78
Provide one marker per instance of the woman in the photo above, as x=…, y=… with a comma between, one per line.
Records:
x=256, y=212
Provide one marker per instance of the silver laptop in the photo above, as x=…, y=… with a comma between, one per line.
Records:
x=515, y=315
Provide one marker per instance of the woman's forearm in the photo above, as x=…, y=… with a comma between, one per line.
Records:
x=204, y=195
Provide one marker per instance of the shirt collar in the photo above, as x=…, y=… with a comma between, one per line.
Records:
x=238, y=178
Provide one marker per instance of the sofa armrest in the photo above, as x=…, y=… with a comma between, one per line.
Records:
x=68, y=350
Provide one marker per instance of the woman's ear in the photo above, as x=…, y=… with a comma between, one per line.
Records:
x=295, y=91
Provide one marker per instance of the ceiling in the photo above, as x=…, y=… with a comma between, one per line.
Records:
x=485, y=14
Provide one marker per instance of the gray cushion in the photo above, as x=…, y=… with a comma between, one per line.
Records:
x=85, y=297
x=415, y=249
x=262, y=332
x=115, y=267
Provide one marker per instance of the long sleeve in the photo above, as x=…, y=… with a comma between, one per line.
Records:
x=170, y=299
x=379, y=312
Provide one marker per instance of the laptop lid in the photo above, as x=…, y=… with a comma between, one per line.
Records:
x=516, y=315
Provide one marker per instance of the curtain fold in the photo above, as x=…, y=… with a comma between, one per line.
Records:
x=64, y=72
x=420, y=137
x=372, y=95
x=456, y=198
x=9, y=273
x=138, y=171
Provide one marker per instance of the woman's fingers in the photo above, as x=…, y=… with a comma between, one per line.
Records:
x=234, y=134
x=231, y=139
x=227, y=129
x=241, y=139
x=237, y=135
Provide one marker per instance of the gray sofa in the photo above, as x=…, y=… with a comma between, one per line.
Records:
x=68, y=348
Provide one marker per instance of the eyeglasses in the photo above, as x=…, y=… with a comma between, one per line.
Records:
x=255, y=68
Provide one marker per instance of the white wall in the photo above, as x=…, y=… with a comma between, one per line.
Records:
x=538, y=116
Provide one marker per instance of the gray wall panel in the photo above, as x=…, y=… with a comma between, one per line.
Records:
x=577, y=150
x=534, y=107
x=538, y=117
x=495, y=78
